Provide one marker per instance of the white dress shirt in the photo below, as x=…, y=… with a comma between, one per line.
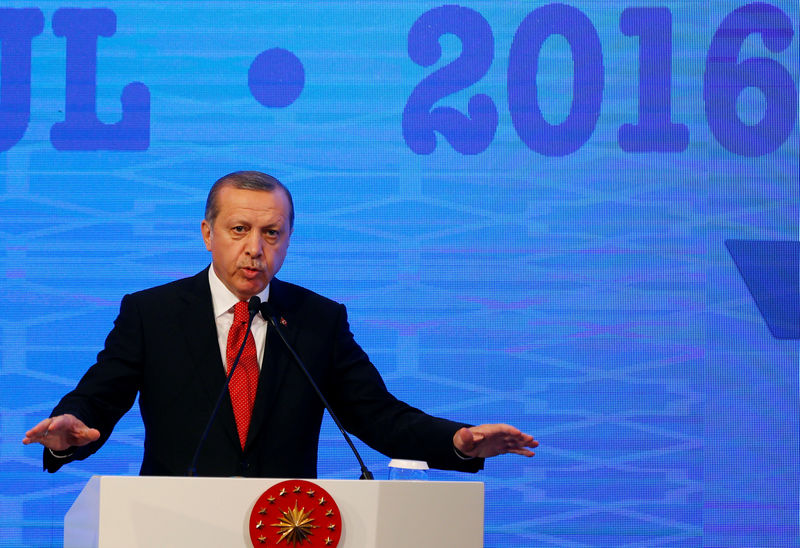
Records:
x=224, y=301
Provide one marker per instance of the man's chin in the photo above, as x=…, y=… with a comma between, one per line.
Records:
x=250, y=288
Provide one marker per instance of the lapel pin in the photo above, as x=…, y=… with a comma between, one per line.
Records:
x=284, y=323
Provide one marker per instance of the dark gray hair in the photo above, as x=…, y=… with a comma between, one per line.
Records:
x=245, y=180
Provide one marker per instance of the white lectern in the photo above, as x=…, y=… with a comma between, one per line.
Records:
x=130, y=511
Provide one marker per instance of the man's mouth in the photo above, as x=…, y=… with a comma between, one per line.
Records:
x=250, y=271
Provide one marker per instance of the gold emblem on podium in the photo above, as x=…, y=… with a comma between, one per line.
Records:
x=295, y=513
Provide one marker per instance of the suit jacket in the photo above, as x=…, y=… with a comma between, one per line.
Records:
x=164, y=347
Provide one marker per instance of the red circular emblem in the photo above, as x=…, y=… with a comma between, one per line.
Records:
x=295, y=513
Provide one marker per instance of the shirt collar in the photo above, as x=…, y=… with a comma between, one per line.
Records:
x=222, y=298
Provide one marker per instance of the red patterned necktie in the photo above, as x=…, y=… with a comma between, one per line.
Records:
x=245, y=379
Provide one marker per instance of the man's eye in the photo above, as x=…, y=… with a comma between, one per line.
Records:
x=239, y=229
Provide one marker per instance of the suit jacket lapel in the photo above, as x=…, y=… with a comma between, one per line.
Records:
x=200, y=333
x=276, y=359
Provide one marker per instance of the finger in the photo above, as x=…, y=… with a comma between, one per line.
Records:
x=505, y=429
x=38, y=432
x=466, y=441
x=78, y=434
x=530, y=442
x=45, y=438
x=520, y=436
x=522, y=440
x=523, y=452
x=466, y=438
x=40, y=428
x=88, y=435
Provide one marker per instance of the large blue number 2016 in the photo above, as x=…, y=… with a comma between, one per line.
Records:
x=726, y=79
x=468, y=135
x=654, y=131
x=587, y=80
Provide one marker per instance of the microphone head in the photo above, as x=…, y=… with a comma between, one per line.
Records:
x=253, y=305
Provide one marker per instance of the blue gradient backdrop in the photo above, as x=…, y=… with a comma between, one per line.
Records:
x=506, y=251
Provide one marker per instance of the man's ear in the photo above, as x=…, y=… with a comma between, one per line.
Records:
x=205, y=228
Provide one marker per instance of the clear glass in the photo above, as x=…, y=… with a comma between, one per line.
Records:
x=407, y=474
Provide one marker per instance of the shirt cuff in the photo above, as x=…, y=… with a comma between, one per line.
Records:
x=461, y=455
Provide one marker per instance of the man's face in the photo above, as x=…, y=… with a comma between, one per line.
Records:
x=249, y=238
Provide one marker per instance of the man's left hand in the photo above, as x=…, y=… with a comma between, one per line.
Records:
x=489, y=440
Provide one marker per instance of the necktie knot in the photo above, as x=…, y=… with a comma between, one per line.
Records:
x=240, y=312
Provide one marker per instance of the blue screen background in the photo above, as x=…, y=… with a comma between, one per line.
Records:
x=516, y=272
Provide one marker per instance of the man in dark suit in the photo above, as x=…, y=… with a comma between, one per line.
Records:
x=173, y=344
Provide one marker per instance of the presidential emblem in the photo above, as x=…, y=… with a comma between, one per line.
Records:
x=295, y=513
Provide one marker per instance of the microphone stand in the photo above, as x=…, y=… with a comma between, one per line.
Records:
x=252, y=308
x=266, y=311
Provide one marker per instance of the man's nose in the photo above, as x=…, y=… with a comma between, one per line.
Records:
x=255, y=245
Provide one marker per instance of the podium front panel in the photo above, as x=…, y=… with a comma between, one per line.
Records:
x=131, y=511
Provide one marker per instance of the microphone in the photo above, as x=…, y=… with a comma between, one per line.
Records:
x=268, y=312
x=252, y=309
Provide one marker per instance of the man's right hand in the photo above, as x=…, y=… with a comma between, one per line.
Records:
x=61, y=432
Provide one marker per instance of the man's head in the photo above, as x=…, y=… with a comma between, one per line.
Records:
x=248, y=222
x=245, y=180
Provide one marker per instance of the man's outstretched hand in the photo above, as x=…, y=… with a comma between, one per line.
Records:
x=60, y=433
x=489, y=440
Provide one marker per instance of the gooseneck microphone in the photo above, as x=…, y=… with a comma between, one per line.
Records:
x=268, y=313
x=253, y=306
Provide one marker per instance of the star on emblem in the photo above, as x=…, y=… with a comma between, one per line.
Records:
x=262, y=511
x=296, y=489
x=310, y=493
x=260, y=524
x=322, y=501
x=283, y=492
x=329, y=513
